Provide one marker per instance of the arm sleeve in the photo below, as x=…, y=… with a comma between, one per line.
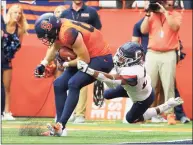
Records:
x=136, y=30
x=131, y=80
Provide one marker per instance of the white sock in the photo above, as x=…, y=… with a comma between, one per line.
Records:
x=150, y=113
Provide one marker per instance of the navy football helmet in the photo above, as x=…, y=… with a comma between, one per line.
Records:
x=47, y=27
x=130, y=53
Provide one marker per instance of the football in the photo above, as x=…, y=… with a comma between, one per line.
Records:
x=67, y=54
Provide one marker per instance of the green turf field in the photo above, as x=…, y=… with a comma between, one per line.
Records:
x=100, y=132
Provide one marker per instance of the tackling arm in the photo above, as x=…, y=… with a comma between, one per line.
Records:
x=114, y=80
x=101, y=76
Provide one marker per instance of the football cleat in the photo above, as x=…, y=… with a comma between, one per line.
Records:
x=173, y=102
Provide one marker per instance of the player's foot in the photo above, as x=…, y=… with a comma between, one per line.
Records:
x=8, y=116
x=55, y=130
x=158, y=119
x=58, y=130
x=171, y=119
x=184, y=120
x=173, y=102
x=79, y=119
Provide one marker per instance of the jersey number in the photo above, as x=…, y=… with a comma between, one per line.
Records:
x=86, y=27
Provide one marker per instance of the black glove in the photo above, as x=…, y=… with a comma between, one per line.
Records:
x=39, y=71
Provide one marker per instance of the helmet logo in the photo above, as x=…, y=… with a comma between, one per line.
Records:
x=46, y=25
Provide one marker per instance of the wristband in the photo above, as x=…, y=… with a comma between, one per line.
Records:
x=44, y=62
x=90, y=71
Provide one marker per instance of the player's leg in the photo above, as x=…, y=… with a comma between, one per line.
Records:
x=119, y=91
x=139, y=108
x=171, y=103
x=60, y=90
x=79, y=80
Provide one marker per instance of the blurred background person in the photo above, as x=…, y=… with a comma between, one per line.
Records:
x=79, y=11
x=126, y=4
x=58, y=10
x=163, y=26
x=16, y=26
x=188, y=4
x=179, y=112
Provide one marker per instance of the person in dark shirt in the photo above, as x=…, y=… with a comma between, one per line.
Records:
x=78, y=11
x=143, y=39
x=139, y=37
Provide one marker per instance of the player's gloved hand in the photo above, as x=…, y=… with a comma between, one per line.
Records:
x=39, y=71
x=82, y=66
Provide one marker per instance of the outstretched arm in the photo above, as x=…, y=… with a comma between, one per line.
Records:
x=102, y=76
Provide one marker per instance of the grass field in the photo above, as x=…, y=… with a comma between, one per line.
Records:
x=99, y=132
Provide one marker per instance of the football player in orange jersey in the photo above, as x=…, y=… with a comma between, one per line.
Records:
x=89, y=46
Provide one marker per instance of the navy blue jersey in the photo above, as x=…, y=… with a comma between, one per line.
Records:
x=86, y=14
x=137, y=33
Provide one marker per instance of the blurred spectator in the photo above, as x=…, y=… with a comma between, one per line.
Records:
x=178, y=4
x=128, y=4
x=58, y=11
x=188, y=4
x=78, y=11
x=179, y=112
x=163, y=28
x=16, y=27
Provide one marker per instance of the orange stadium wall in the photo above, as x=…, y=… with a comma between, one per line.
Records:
x=34, y=97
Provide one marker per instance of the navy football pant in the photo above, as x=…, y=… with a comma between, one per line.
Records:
x=138, y=108
x=73, y=80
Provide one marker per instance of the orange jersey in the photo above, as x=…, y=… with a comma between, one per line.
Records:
x=92, y=37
